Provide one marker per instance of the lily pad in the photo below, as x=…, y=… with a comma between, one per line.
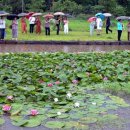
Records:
x=55, y=124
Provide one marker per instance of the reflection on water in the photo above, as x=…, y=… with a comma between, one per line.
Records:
x=55, y=48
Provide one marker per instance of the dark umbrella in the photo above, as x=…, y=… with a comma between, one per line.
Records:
x=12, y=16
x=22, y=14
x=68, y=15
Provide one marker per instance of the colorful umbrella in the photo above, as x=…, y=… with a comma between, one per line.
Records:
x=100, y=15
x=92, y=19
x=48, y=16
x=12, y=16
x=59, y=13
x=107, y=14
x=29, y=15
x=37, y=14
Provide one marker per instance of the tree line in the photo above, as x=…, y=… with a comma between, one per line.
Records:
x=75, y=7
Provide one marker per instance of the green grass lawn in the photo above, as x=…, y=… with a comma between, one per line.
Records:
x=79, y=32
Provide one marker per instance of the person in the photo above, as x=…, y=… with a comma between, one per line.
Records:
x=23, y=25
x=32, y=23
x=38, y=25
x=2, y=28
x=66, y=28
x=99, y=25
x=119, y=29
x=108, y=24
x=14, y=29
x=92, y=25
x=58, y=24
x=47, y=26
x=128, y=26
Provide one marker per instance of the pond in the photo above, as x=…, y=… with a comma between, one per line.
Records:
x=64, y=48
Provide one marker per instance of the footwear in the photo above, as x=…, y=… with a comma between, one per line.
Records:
x=111, y=31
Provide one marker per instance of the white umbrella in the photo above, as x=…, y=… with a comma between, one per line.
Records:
x=59, y=13
x=22, y=14
x=122, y=18
x=37, y=14
x=107, y=14
x=3, y=13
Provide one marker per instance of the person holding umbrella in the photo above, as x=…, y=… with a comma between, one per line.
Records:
x=2, y=27
x=32, y=21
x=58, y=24
x=108, y=24
x=99, y=25
x=66, y=28
x=38, y=25
x=47, y=26
x=128, y=26
x=92, y=21
x=23, y=25
x=119, y=29
x=15, y=29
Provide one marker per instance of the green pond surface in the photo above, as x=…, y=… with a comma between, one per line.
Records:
x=98, y=85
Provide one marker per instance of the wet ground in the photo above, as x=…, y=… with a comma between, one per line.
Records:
x=54, y=48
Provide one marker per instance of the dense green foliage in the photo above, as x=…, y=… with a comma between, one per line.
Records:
x=34, y=80
x=68, y=6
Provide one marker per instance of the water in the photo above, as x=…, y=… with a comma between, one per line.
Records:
x=64, y=48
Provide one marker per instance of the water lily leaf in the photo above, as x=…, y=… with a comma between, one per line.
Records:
x=20, y=122
x=63, y=116
x=55, y=124
x=2, y=121
x=119, y=101
x=88, y=120
x=33, y=122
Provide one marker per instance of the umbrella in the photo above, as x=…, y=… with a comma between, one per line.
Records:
x=107, y=14
x=3, y=13
x=100, y=15
x=122, y=18
x=59, y=13
x=92, y=19
x=37, y=14
x=48, y=16
x=22, y=14
x=68, y=15
x=12, y=16
x=29, y=15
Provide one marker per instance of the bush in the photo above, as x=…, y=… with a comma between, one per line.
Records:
x=119, y=10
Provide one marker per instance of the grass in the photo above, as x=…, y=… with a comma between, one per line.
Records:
x=79, y=32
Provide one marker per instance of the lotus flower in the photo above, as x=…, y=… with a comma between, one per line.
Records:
x=10, y=98
x=6, y=108
x=77, y=104
x=41, y=81
x=75, y=81
x=58, y=113
x=34, y=112
x=57, y=82
x=69, y=95
x=56, y=100
x=125, y=73
x=50, y=85
x=94, y=103
x=105, y=78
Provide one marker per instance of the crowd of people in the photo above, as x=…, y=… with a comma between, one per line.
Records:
x=98, y=24
x=35, y=24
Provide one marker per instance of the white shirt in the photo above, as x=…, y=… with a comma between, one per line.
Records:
x=98, y=21
x=32, y=20
x=2, y=23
